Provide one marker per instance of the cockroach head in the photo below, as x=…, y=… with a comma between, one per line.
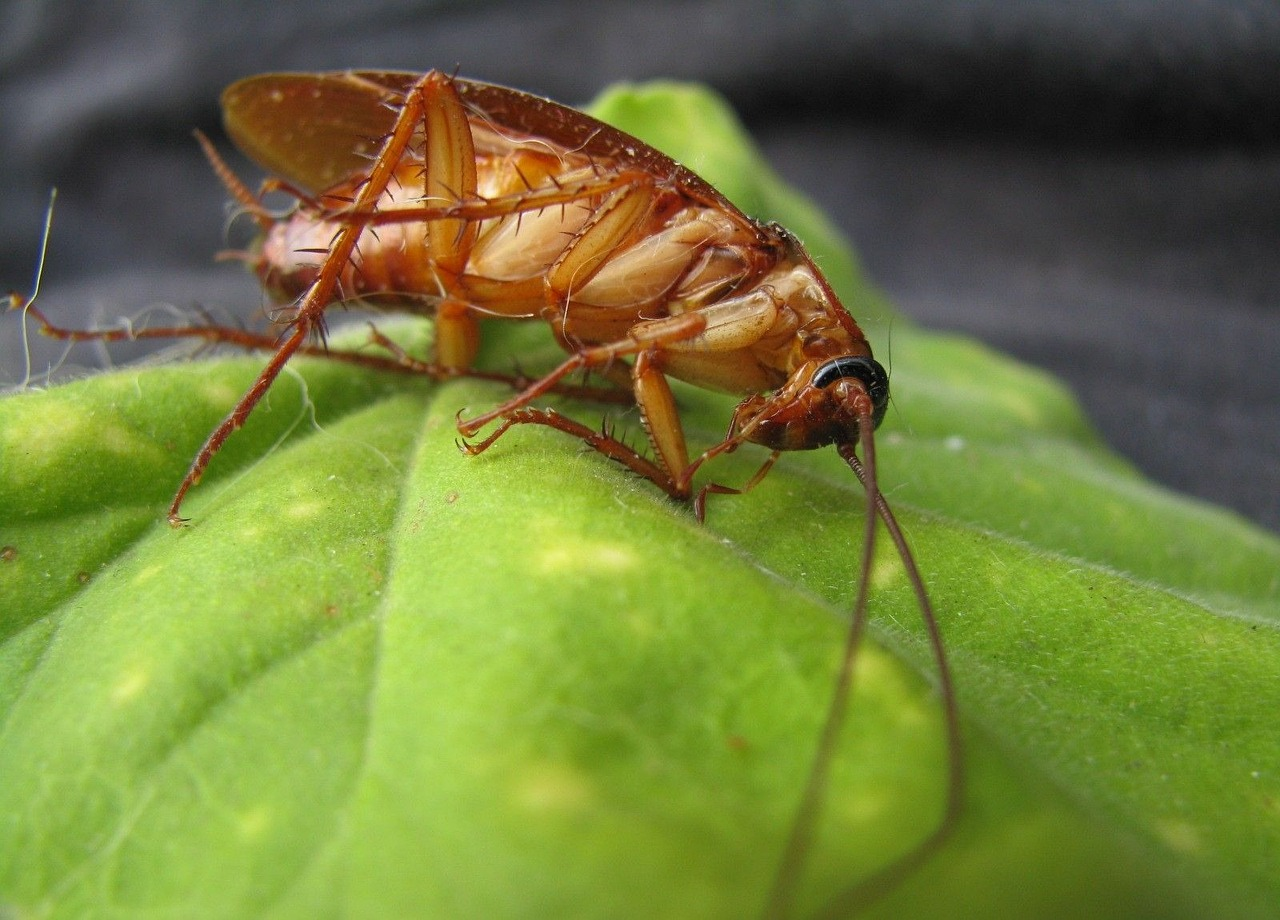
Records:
x=856, y=367
x=824, y=402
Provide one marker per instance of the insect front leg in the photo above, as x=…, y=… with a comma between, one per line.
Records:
x=652, y=394
x=670, y=470
x=601, y=441
x=595, y=358
x=725, y=328
x=668, y=443
x=457, y=339
x=715, y=488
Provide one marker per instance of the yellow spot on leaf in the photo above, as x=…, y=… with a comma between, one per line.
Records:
x=130, y=684
x=69, y=433
x=300, y=510
x=861, y=807
x=119, y=440
x=60, y=424
x=1025, y=408
x=217, y=393
x=876, y=668
x=148, y=573
x=579, y=555
x=253, y=822
x=1031, y=485
x=886, y=572
x=552, y=787
x=641, y=623
x=1180, y=835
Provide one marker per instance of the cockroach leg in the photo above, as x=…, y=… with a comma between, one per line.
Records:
x=715, y=488
x=644, y=336
x=251, y=203
x=401, y=360
x=485, y=208
x=321, y=293
x=600, y=441
x=449, y=172
x=661, y=418
x=457, y=334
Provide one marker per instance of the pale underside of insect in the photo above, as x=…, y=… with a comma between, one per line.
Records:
x=466, y=201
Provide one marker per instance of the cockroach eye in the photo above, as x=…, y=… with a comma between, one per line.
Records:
x=868, y=370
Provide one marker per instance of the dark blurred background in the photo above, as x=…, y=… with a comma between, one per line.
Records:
x=1091, y=186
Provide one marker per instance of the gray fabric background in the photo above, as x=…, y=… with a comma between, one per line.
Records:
x=1093, y=187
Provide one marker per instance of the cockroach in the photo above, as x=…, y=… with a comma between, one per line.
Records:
x=466, y=201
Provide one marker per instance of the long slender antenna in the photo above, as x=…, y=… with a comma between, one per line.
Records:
x=876, y=886
x=804, y=825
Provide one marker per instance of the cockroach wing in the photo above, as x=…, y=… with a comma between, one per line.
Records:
x=317, y=129
x=312, y=129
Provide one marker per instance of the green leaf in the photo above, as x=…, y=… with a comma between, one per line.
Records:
x=379, y=678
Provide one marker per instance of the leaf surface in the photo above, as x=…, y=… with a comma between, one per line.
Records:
x=379, y=678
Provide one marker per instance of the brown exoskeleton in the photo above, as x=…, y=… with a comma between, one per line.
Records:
x=467, y=201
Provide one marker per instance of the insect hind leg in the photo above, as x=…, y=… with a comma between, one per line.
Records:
x=320, y=295
x=398, y=359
